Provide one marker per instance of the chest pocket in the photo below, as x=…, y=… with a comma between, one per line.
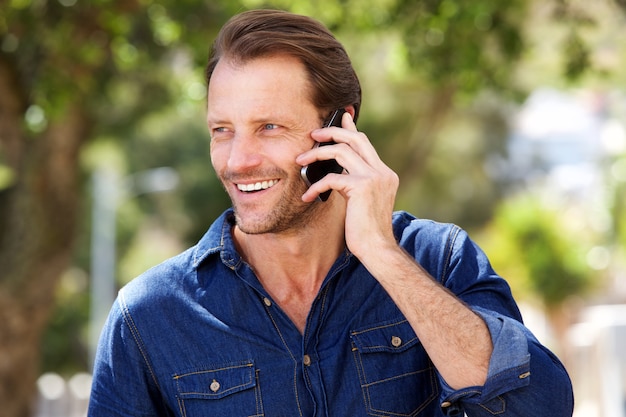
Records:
x=395, y=374
x=231, y=389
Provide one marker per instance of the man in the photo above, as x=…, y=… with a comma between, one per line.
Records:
x=290, y=306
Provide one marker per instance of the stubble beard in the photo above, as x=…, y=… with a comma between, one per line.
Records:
x=289, y=215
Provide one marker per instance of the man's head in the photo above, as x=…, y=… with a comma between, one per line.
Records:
x=261, y=33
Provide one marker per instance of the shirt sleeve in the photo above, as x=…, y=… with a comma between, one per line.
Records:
x=524, y=377
x=123, y=382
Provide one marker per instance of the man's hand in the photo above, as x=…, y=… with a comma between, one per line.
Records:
x=368, y=186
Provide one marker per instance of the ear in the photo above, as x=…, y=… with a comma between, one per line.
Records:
x=350, y=109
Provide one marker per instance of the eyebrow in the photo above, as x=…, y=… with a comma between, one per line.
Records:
x=266, y=118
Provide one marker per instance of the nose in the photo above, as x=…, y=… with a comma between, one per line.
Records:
x=245, y=153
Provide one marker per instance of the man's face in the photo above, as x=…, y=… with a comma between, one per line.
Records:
x=260, y=117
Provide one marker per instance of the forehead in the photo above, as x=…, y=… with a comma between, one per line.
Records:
x=272, y=78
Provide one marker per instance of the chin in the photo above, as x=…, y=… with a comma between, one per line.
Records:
x=252, y=224
x=274, y=222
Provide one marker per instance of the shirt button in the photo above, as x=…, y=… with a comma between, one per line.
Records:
x=524, y=375
x=215, y=386
x=446, y=404
x=396, y=341
x=267, y=301
x=306, y=360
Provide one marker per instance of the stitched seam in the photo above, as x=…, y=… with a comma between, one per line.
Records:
x=295, y=366
x=361, y=372
x=384, y=326
x=490, y=411
x=260, y=411
x=137, y=337
x=449, y=251
x=371, y=384
x=181, y=406
x=246, y=365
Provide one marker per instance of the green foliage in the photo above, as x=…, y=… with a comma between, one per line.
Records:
x=578, y=60
x=470, y=45
x=576, y=51
x=534, y=248
x=455, y=183
x=63, y=349
x=137, y=65
x=83, y=49
x=199, y=198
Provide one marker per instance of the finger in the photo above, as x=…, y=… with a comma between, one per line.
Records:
x=346, y=156
x=329, y=182
x=350, y=186
x=327, y=134
x=356, y=140
x=347, y=122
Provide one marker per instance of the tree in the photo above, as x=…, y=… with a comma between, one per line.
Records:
x=60, y=63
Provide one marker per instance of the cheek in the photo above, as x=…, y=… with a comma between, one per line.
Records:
x=219, y=156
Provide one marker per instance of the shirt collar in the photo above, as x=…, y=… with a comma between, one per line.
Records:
x=217, y=239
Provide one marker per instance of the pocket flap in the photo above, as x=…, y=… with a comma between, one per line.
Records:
x=217, y=382
x=387, y=337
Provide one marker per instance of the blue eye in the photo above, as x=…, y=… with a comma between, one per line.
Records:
x=270, y=126
x=220, y=132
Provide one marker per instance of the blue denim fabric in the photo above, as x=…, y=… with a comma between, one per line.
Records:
x=199, y=336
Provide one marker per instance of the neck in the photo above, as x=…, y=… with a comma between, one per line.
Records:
x=291, y=266
x=307, y=252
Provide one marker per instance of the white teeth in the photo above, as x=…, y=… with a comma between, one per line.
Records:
x=257, y=185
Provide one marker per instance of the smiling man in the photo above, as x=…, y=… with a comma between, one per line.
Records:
x=290, y=306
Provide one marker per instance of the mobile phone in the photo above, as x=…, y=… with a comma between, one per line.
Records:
x=319, y=169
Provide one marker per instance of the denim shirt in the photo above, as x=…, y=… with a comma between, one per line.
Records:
x=198, y=335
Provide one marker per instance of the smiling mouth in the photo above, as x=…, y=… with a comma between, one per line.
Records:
x=257, y=186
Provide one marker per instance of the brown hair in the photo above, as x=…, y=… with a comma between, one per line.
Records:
x=257, y=33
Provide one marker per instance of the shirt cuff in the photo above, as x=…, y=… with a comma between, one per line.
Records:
x=509, y=366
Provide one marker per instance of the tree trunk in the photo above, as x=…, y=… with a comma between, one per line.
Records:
x=410, y=159
x=38, y=215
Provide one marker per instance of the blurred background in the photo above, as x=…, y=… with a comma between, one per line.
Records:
x=507, y=118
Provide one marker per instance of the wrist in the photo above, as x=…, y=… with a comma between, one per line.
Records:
x=379, y=258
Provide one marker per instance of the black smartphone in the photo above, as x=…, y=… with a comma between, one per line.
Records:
x=319, y=169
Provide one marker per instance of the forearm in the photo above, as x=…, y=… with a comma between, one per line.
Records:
x=524, y=377
x=455, y=338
